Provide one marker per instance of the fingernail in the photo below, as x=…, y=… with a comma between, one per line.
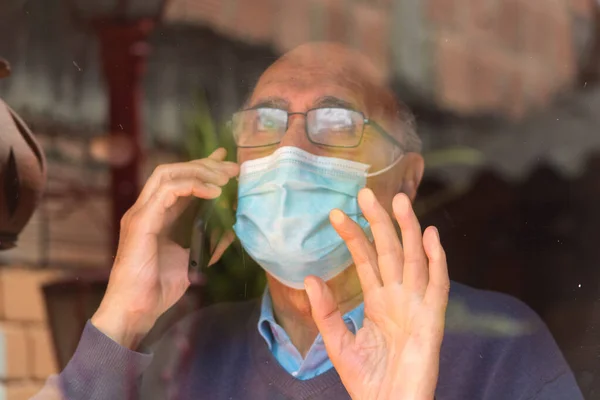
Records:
x=368, y=195
x=437, y=233
x=402, y=203
x=336, y=216
x=308, y=287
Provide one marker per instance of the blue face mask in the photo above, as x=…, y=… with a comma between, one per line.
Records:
x=284, y=201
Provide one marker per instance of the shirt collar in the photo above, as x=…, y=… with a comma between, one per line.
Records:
x=266, y=319
x=266, y=323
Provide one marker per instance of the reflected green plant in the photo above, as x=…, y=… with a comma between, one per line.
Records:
x=444, y=157
x=462, y=320
x=456, y=155
x=235, y=276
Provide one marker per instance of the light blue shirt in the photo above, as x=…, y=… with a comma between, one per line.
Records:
x=316, y=361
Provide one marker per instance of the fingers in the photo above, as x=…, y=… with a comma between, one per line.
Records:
x=218, y=155
x=211, y=170
x=152, y=214
x=389, y=250
x=415, y=261
x=438, y=288
x=328, y=317
x=363, y=253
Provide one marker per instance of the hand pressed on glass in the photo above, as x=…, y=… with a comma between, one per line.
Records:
x=396, y=353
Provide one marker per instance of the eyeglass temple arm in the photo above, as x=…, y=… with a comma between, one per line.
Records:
x=380, y=129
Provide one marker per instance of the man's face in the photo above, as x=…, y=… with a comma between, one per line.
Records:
x=297, y=87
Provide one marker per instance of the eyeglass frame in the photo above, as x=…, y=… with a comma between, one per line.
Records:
x=365, y=120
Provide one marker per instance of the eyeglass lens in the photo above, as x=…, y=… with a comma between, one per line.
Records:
x=337, y=127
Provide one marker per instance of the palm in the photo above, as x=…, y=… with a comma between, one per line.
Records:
x=151, y=269
x=172, y=267
x=160, y=277
x=396, y=352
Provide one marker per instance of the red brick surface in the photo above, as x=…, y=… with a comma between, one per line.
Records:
x=453, y=76
x=253, y=20
x=26, y=340
x=534, y=34
x=22, y=390
x=481, y=15
x=509, y=24
x=336, y=27
x=538, y=87
x=443, y=13
x=21, y=294
x=371, y=27
x=582, y=8
x=16, y=351
x=292, y=25
x=521, y=53
x=41, y=362
x=515, y=102
x=563, y=54
x=488, y=70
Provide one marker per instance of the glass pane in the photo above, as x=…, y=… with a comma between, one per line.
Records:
x=96, y=9
x=145, y=8
x=157, y=241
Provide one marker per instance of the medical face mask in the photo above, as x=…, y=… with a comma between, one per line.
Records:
x=284, y=201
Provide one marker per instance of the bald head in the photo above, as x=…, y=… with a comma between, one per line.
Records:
x=344, y=70
x=327, y=75
x=333, y=59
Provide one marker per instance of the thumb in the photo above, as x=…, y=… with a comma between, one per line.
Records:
x=327, y=316
x=218, y=155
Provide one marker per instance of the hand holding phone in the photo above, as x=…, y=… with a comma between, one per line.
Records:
x=212, y=228
x=150, y=274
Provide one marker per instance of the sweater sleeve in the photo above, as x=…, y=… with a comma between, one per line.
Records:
x=100, y=369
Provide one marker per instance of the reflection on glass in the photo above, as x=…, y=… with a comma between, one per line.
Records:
x=288, y=171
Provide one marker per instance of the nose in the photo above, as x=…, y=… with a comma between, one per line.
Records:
x=296, y=135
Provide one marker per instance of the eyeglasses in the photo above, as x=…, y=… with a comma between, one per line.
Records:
x=333, y=127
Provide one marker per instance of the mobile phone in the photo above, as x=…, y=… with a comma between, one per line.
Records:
x=214, y=216
x=199, y=242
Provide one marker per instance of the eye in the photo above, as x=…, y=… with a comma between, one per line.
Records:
x=266, y=123
x=269, y=120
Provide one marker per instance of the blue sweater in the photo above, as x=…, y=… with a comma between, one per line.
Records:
x=494, y=348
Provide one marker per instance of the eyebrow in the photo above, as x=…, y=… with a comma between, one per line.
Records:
x=331, y=101
x=271, y=102
x=321, y=102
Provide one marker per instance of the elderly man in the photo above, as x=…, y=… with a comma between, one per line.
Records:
x=328, y=158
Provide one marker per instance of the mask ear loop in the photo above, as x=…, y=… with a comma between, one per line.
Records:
x=386, y=169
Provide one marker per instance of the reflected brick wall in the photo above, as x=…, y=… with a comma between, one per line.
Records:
x=502, y=57
x=26, y=352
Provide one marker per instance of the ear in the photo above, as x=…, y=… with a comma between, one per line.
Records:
x=412, y=173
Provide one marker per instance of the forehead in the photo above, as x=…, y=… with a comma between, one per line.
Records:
x=296, y=85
